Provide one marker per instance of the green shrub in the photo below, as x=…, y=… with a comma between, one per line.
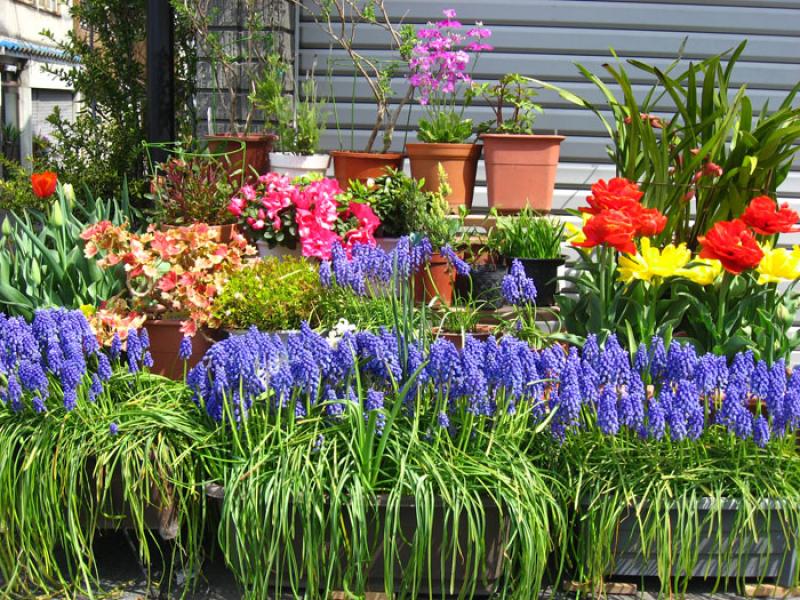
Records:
x=16, y=193
x=273, y=295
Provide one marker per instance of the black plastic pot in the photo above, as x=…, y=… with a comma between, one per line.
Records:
x=544, y=272
x=482, y=285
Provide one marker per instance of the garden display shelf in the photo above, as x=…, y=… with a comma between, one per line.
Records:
x=769, y=553
x=439, y=580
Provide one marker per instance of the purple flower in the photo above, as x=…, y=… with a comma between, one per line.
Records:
x=443, y=420
x=607, y=417
x=325, y=274
x=656, y=420
x=761, y=432
x=461, y=267
x=185, y=349
x=113, y=428
x=518, y=289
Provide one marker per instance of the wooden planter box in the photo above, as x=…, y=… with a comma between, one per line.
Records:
x=495, y=537
x=770, y=556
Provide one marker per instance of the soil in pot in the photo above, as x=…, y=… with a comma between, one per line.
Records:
x=165, y=340
x=521, y=170
x=299, y=165
x=459, y=161
x=483, y=285
x=352, y=166
x=435, y=281
x=247, y=162
x=544, y=272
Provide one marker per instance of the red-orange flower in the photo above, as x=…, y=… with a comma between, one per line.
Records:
x=733, y=244
x=611, y=228
x=44, y=184
x=649, y=221
x=766, y=218
x=617, y=194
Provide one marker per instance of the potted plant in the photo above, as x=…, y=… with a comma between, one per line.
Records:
x=298, y=125
x=271, y=295
x=437, y=68
x=342, y=20
x=459, y=321
x=173, y=278
x=236, y=64
x=394, y=198
x=193, y=188
x=305, y=217
x=444, y=235
x=520, y=166
x=535, y=241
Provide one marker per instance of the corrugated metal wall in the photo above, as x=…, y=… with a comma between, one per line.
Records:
x=544, y=38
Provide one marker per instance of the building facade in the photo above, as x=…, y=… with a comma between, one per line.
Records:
x=30, y=92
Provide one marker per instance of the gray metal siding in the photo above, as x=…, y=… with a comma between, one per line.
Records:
x=544, y=38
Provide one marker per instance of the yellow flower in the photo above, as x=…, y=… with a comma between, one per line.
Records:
x=779, y=264
x=703, y=272
x=576, y=235
x=651, y=262
x=88, y=310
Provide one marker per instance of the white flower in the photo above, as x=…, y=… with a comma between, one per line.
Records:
x=338, y=332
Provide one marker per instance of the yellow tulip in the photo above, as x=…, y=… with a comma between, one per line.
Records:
x=575, y=233
x=651, y=262
x=704, y=271
x=88, y=310
x=779, y=264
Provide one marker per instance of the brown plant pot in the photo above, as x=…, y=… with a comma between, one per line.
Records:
x=459, y=161
x=521, y=170
x=247, y=162
x=435, y=281
x=482, y=332
x=360, y=166
x=165, y=341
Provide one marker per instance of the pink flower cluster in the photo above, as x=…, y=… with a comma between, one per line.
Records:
x=440, y=57
x=282, y=212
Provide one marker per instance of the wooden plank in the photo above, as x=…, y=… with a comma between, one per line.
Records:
x=768, y=590
x=367, y=596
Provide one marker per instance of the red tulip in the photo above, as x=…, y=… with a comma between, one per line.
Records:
x=733, y=244
x=611, y=228
x=764, y=216
x=44, y=184
x=617, y=194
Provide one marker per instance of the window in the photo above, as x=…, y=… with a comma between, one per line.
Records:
x=51, y=6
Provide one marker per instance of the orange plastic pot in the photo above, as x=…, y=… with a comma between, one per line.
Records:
x=165, y=341
x=521, y=170
x=245, y=162
x=360, y=166
x=435, y=281
x=459, y=161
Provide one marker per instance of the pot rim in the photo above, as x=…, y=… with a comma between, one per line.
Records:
x=299, y=155
x=559, y=261
x=247, y=137
x=435, y=151
x=368, y=155
x=522, y=136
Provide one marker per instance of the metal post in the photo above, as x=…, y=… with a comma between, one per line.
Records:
x=160, y=75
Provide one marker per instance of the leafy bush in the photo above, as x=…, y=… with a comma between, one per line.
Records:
x=192, y=189
x=395, y=198
x=273, y=294
x=15, y=189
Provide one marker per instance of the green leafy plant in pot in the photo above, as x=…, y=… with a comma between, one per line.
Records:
x=298, y=124
x=536, y=241
x=520, y=166
x=438, y=74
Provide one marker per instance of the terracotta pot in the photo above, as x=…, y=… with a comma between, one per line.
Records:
x=482, y=332
x=252, y=161
x=351, y=166
x=165, y=340
x=299, y=165
x=521, y=170
x=460, y=162
x=435, y=281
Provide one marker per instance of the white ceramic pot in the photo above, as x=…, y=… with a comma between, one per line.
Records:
x=265, y=251
x=297, y=165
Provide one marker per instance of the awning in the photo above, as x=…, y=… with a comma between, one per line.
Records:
x=19, y=49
